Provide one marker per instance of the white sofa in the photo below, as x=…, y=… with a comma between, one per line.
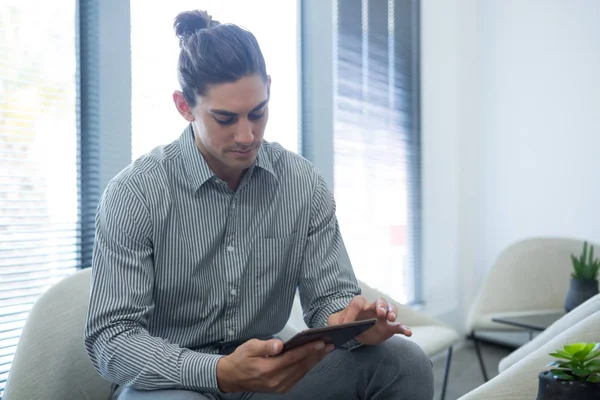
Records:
x=520, y=380
x=570, y=319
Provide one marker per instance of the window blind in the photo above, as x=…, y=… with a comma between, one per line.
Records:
x=376, y=140
x=89, y=146
x=39, y=208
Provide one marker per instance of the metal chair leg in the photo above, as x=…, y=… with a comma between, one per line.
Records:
x=446, y=371
x=478, y=351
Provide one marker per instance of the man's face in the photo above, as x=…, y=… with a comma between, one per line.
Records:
x=229, y=123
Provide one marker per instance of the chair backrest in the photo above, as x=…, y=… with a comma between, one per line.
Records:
x=50, y=361
x=521, y=380
x=406, y=314
x=531, y=275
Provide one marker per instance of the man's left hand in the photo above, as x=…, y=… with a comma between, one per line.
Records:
x=360, y=309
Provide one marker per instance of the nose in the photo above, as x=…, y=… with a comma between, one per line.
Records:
x=243, y=133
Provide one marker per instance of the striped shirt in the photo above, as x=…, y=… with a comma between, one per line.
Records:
x=184, y=267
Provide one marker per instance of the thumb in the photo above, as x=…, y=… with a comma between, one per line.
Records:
x=260, y=348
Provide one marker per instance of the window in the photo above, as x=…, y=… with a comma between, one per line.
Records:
x=376, y=140
x=39, y=214
x=154, y=53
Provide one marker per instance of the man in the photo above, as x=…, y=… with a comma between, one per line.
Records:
x=201, y=245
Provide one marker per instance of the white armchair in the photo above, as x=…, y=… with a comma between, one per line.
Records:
x=51, y=362
x=520, y=381
x=529, y=277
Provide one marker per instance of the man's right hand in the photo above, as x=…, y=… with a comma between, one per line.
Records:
x=258, y=366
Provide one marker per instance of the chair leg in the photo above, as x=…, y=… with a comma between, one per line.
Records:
x=478, y=351
x=446, y=371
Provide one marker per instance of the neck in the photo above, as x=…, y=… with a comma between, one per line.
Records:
x=232, y=179
x=231, y=176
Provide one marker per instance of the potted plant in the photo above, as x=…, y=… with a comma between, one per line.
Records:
x=584, y=279
x=575, y=374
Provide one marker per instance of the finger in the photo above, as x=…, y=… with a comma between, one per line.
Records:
x=392, y=312
x=261, y=348
x=351, y=312
x=399, y=327
x=300, y=353
x=382, y=331
x=382, y=307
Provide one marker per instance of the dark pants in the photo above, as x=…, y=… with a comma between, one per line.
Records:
x=395, y=369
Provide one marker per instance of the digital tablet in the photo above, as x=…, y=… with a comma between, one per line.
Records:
x=337, y=335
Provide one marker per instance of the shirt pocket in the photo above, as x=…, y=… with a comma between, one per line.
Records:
x=275, y=263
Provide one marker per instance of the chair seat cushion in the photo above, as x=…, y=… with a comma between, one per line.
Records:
x=434, y=339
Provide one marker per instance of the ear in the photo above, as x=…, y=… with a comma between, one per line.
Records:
x=182, y=106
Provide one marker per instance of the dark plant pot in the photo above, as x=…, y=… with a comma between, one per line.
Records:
x=555, y=389
x=580, y=291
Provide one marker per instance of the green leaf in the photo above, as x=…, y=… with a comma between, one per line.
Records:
x=583, y=353
x=574, y=348
x=596, y=348
x=590, y=347
x=580, y=355
x=592, y=354
x=562, y=354
x=582, y=373
x=593, y=366
x=594, y=378
x=559, y=374
x=560, y=364
x=576, y=267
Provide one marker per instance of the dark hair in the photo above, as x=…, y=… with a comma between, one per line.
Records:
x=213, y=53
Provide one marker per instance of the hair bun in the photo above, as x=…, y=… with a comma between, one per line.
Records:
x=189, y=22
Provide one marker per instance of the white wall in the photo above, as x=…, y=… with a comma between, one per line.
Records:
x=440, y=139
x=540, y=98
x=511, y=128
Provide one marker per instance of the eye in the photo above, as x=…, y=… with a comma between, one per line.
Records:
x=256, y=116
x=225, y=122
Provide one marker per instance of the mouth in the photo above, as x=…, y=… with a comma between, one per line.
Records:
x=243, y=153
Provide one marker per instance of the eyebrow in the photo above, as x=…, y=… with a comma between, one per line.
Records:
x=232, y=114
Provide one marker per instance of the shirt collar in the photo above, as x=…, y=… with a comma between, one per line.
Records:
x=197, y=169
x=263, y=159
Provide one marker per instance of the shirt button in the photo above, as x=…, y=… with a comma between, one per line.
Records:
x=233, y=292
x=230, y=332
x=230, y=248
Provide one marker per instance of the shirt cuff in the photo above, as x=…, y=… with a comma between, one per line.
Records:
x=199, y=372
x=322, y=316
